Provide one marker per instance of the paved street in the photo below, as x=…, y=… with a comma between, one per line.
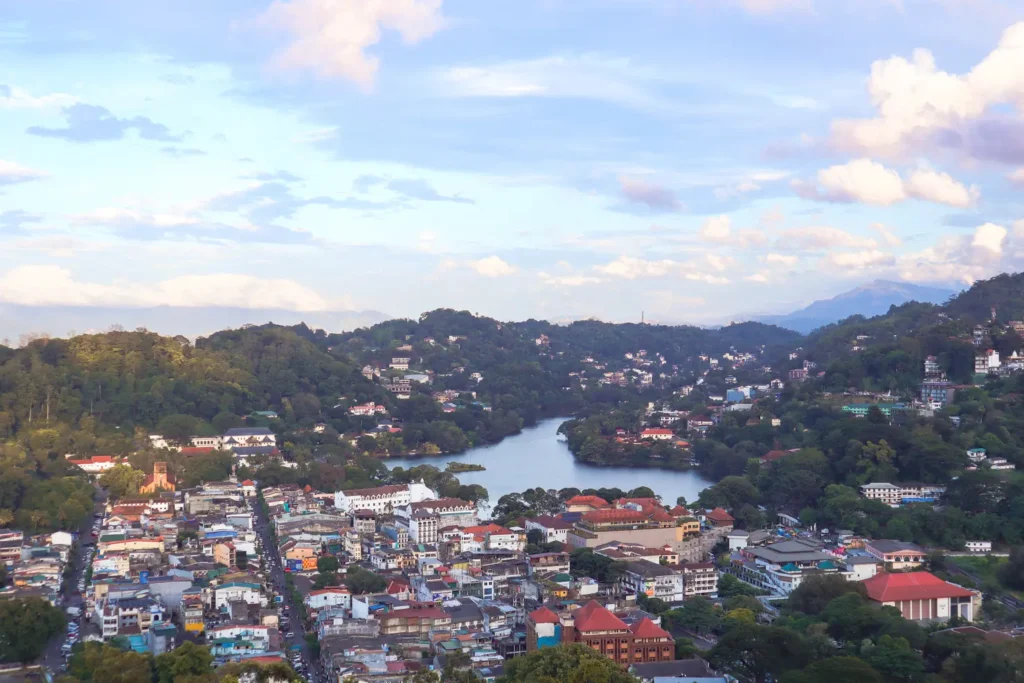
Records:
x=289, y=608
x=53, y=658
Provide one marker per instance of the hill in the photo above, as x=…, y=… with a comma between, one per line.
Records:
x=872, y=299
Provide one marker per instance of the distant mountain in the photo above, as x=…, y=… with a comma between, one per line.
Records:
x=59, y=321
x=869, y=300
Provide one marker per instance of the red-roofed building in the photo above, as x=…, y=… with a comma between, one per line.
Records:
x=921, y=596
x=586, y=504
x=657, y=434
x=192, y=451
x=720, y=519
x=772, y=456
x=598, y=628
x=96, y=464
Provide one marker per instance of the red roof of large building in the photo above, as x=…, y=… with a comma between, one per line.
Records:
x=197, y=450
x=624, y=515
x=772, y=456
x=656, y=431
x=642, y=502
x=594, y=617
x=887, y=587
x=720, y=515
x=592, y=501
x=544, y=616
x=487, y=529
x=645, y=628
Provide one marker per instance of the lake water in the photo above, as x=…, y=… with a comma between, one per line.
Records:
x=538, y=457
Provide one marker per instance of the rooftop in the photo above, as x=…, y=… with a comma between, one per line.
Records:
x=886, y=587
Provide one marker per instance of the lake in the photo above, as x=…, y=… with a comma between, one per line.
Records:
x=538, y=457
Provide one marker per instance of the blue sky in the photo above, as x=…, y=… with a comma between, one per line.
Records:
x=696, y=159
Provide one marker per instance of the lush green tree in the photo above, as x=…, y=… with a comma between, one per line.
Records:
x=122, y=481
x=835, y=670
x=178, y=429
x=564, y=664
x=815, y=592
x=894, y=658
x=756, y=653
x=1012, y=573
x=327, y=563
x=361, y=581
x=26, y=626
x=697, y=614
x=101, y=663
x=186, y=662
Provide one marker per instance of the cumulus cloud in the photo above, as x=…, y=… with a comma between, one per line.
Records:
x=574, y=280
x=330, y=37
x=90, y=123
x=12, y=173
x=492, y=266
x=706, y=269
x=962, y=258
x=817, y=238
x=1017, y=177
x=45, y=285
x=787, y=260
x=917, y=103
x=863, y=180
x=654, y=197
x=890, y=238
x=859, y=260
x=716, y=229
x=12, y=97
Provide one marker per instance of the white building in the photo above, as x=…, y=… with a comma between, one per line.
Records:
x=399, y=364
x=895, y=495
x=979, y=546
x=654, y=581
x=97, y=464
x=370, y=408
x=207, y=441
x=383, y=499
x=334, y=596
x=230, y=592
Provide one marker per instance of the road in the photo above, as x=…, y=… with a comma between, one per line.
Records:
x=276, y=573
x=53, y=659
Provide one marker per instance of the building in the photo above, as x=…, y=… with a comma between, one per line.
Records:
x=653, y=580
x=862, y=409
x=979, y=546
x=553, y=528
x=895, y=495
x=586, y=504
x=937, y=392
x=896, y=555
x=699, y=578
x=449, y=511
x=249, y=437
x=96, y=464
x=720, y=519
x=657, y=434
x=598, y=628
x=986, y=362
x=332, y=596
x=781, y=567
x=160, y=480
x=383, y=499
x=370, y=408
x=652, y=529
x=921, y=596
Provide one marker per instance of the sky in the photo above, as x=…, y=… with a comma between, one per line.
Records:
x=697, y=160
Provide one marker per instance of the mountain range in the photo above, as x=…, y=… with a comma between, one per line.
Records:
x=871, y=299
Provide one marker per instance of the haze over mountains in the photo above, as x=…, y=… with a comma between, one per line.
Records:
x=868, y=300
x=871, y=299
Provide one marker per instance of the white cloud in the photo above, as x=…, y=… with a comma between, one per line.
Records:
x=890, y=238
x=12, y=97
x=119, y=217
x=859, y=260
x=11, y=173
x=1017, y=176
x=787, y=260
x=316, y=135
x=989, y=237
x=492, y=266
x=962, y=258
x=716, y=229
x=696, y=270
x=45, y=285
x=914, y=100
x=330, y=37
x=817, y=238
x=760, y=277
x=575, y=280
x=863, y=180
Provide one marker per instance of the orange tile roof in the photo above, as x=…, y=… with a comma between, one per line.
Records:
x=886, y=587
x=619, y=515
x=645, y=628
x=720, y=515
x=592, y=501
x=544, y=616
x=594, y=617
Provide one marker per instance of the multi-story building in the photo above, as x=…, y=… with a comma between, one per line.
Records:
x=332, y=596
x=97, y=464
x=699, y=578
x=895, y=495
x=937, y=392
x=237, y=590
x=598, y=628
x=781, y=567
x=414, y=621
x=896, y=555
x=383, y=499
x=862, y=409
x=630, y=526
x=653, y=580
x=365, y=409
x=192, y=609
x=553, y=528
x=239, y=640
x=423, y=526
x=249, y=437
x=449, y=511
x=10, y=545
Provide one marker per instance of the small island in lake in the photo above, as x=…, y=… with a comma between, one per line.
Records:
x=456, y=467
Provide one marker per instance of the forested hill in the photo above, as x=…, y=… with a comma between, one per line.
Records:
x=887, y=352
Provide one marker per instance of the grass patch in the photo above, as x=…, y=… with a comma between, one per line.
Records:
x=986, y=568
